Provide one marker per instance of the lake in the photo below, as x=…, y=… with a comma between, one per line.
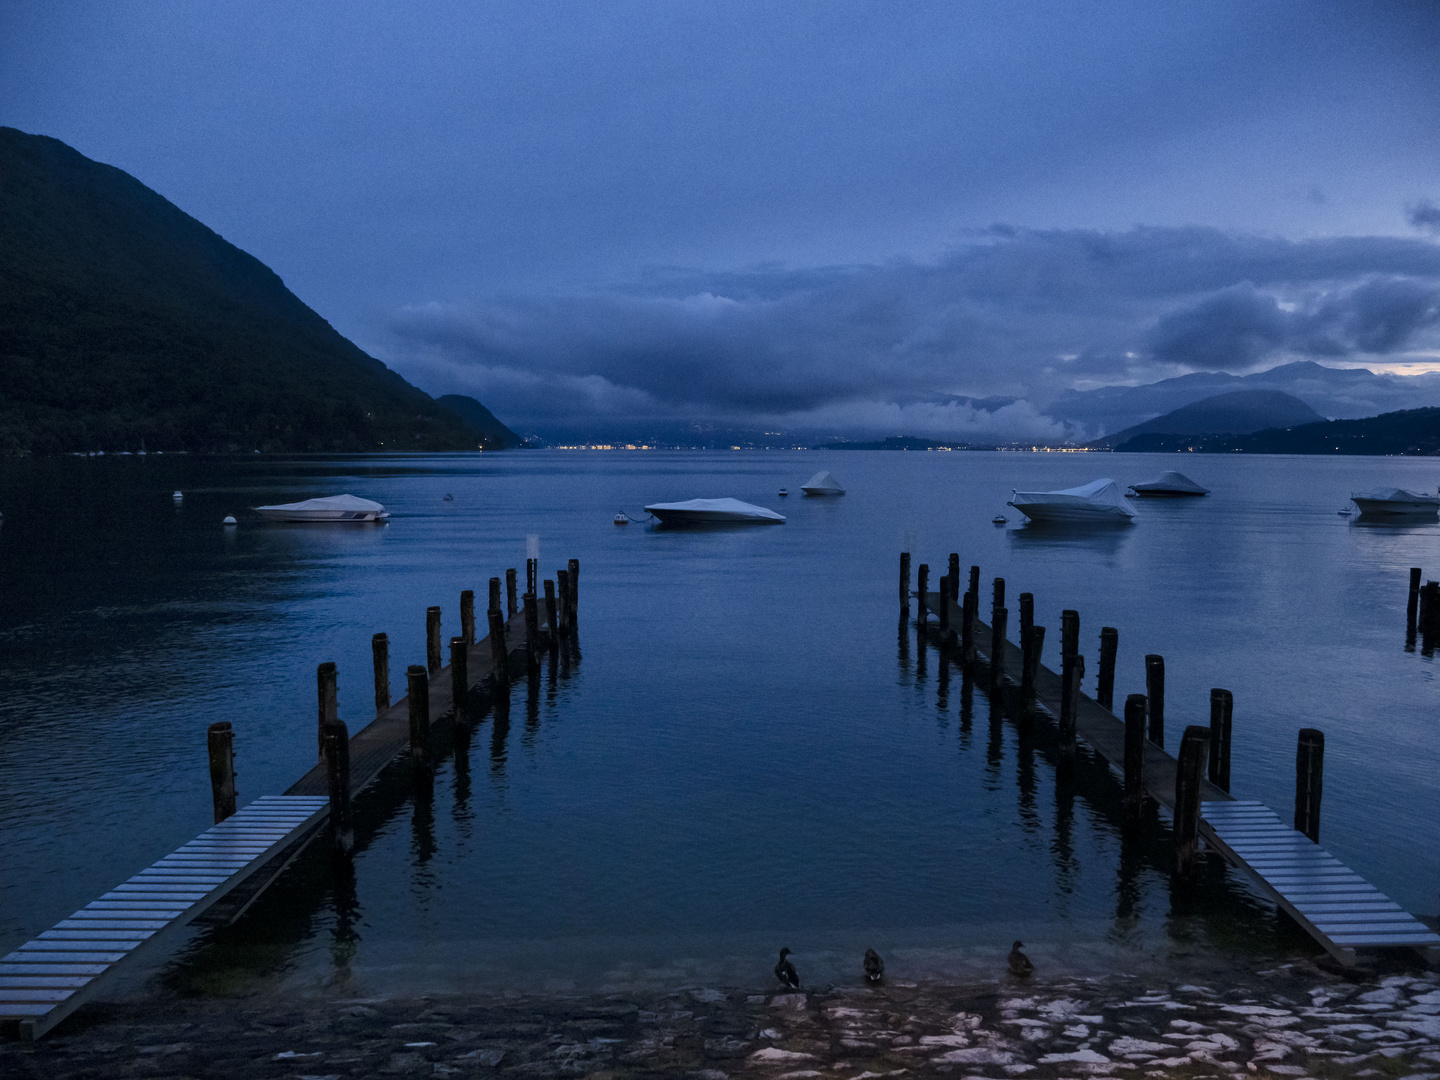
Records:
x=746, y=753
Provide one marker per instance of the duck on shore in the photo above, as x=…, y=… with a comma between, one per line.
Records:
x=874, y=966
x=1020, y=965
x=785, y=971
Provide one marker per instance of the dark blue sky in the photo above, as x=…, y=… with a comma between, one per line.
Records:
x=602, y=215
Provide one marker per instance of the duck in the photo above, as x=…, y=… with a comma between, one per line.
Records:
x=874, y=966
x=1020, y=965
x=785, y=971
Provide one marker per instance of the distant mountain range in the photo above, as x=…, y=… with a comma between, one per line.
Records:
x=898, y=442
x=1236, y=413
x=125, y=324
x=1335, y=393
x=1411, y=432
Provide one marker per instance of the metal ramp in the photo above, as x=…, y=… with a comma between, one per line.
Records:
x=1335, y=905
x=47, y=979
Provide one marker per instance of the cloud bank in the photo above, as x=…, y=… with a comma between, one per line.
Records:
x=906, y=346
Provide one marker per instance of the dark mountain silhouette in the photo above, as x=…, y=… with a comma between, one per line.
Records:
x=1236, y=413
x=481, y=421
x=125, y=324
x=1410, y=432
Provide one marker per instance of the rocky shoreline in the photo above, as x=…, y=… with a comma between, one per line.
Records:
x=1296, y=1020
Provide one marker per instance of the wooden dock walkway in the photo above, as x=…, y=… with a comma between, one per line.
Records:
x=224, y=869
x=1335, y=905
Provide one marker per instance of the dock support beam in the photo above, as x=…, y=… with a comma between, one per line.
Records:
x=221, y=740
x=1070, y=676
x=433, y=659
x=1413, y=603
x=967, y=629
x=1222, y=706
x=419, y=685
x=510, y=604
x=1134, y=755
x=532, y=633
x=460, y=679
x=562, y=600
x=467, y=616
x=1033, y=646
x=1027, y=615
x=953, y=569
x=1188, y=773
x=998, y=618
x=325, y=690
x=574, y=567
x=1309, y=769
x=904, y=585
x=380, y=650
x=494, y=594
x=337, y=773
x=1155, y=692
x=499, y=654
x=550, y=624
x=532, y=572
x=1105, y=681
x=922, y=583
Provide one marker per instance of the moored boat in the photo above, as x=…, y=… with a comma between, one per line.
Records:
x=1396, y=502
x=714, y=512
x=329, y=509
x=1098, y=502
x=1169, y=485
x=822, y=483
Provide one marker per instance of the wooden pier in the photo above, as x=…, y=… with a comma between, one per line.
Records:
x=1331, y=902
x=219, y=874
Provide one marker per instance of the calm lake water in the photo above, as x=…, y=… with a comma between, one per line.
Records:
x=745, y=754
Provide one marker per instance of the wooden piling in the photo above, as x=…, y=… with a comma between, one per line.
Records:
x=904, y=584
x=532, y=572
x=1069, y=632
x=1134, y=755
x=953, y=569
x=1155, y=696
x=499, y=655
x=1429, y=608
x=1033, y=646
x=975, y=586
x=967, y=629
x=460, y=679
x=494, y=594
x=532, y=632
x=574, y=567
x=922, y=583
x=511, y=605
x=1105, y=680
x=562, y=600
x=1222, y=705
x=1000, y=621
x=419, y=684
x=221, y=745
x=325, y=688
x=1309, y=770
x=337, y=774
x=380, y=649
x=1069, y=678
x=944, y=603
x=467, y=616
x=550, y=612
x=1027, y=615
x=1188, y=774
x=433, y=659
x=1411, y=606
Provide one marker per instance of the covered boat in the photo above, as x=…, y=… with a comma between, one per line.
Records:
x=1396, y=502
x=822, y=483
x=1169, y=484
x=331, y=508
x=714, y=512
x=1097, y=502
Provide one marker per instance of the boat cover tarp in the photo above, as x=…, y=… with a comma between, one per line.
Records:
x=1097, y=499
x=1397, y=495
x=1172, y=481
x=347, y=503
x=822, y=483
x=714, y=510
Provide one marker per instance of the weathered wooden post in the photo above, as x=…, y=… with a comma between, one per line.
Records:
x=1105, y=681
x=1155, y=696
x=1222, y=705
x=562, y=600
x=1188, y=773
x=380, y=649
x=460, y=679
x=550, y=611
x=953, y=569
x=532, y=632
x=904, y=585
x=944, y=612
x=432, y=639
x=494, y=594
x=1027, y=615
x=419, y=684
x=1411, y=605
x=1069, y=679
x=967, y=629
x=221, y=745
x=1309, y=770
x=1134, y=755
x=467, y=616
x=574, y=567
x=499, y=655
x=997, y=631
x=337, y=774
x=532, y=571
x=1034, y=645
x=975, y=586
x=1430, y=608
x=922, y=585
x=325, y=687
x=511, y=605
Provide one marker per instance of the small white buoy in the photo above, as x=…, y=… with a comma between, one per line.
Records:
x=177, y=495
x=999, y=519
x=622, y=519
x=229, y=520
x=784, y=493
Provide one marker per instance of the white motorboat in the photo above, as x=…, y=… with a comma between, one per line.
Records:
x=1098, y=502
x=331, y=508
x=1169, y=485
x=1396, y=502
x=822, y=483
x=714, y=512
